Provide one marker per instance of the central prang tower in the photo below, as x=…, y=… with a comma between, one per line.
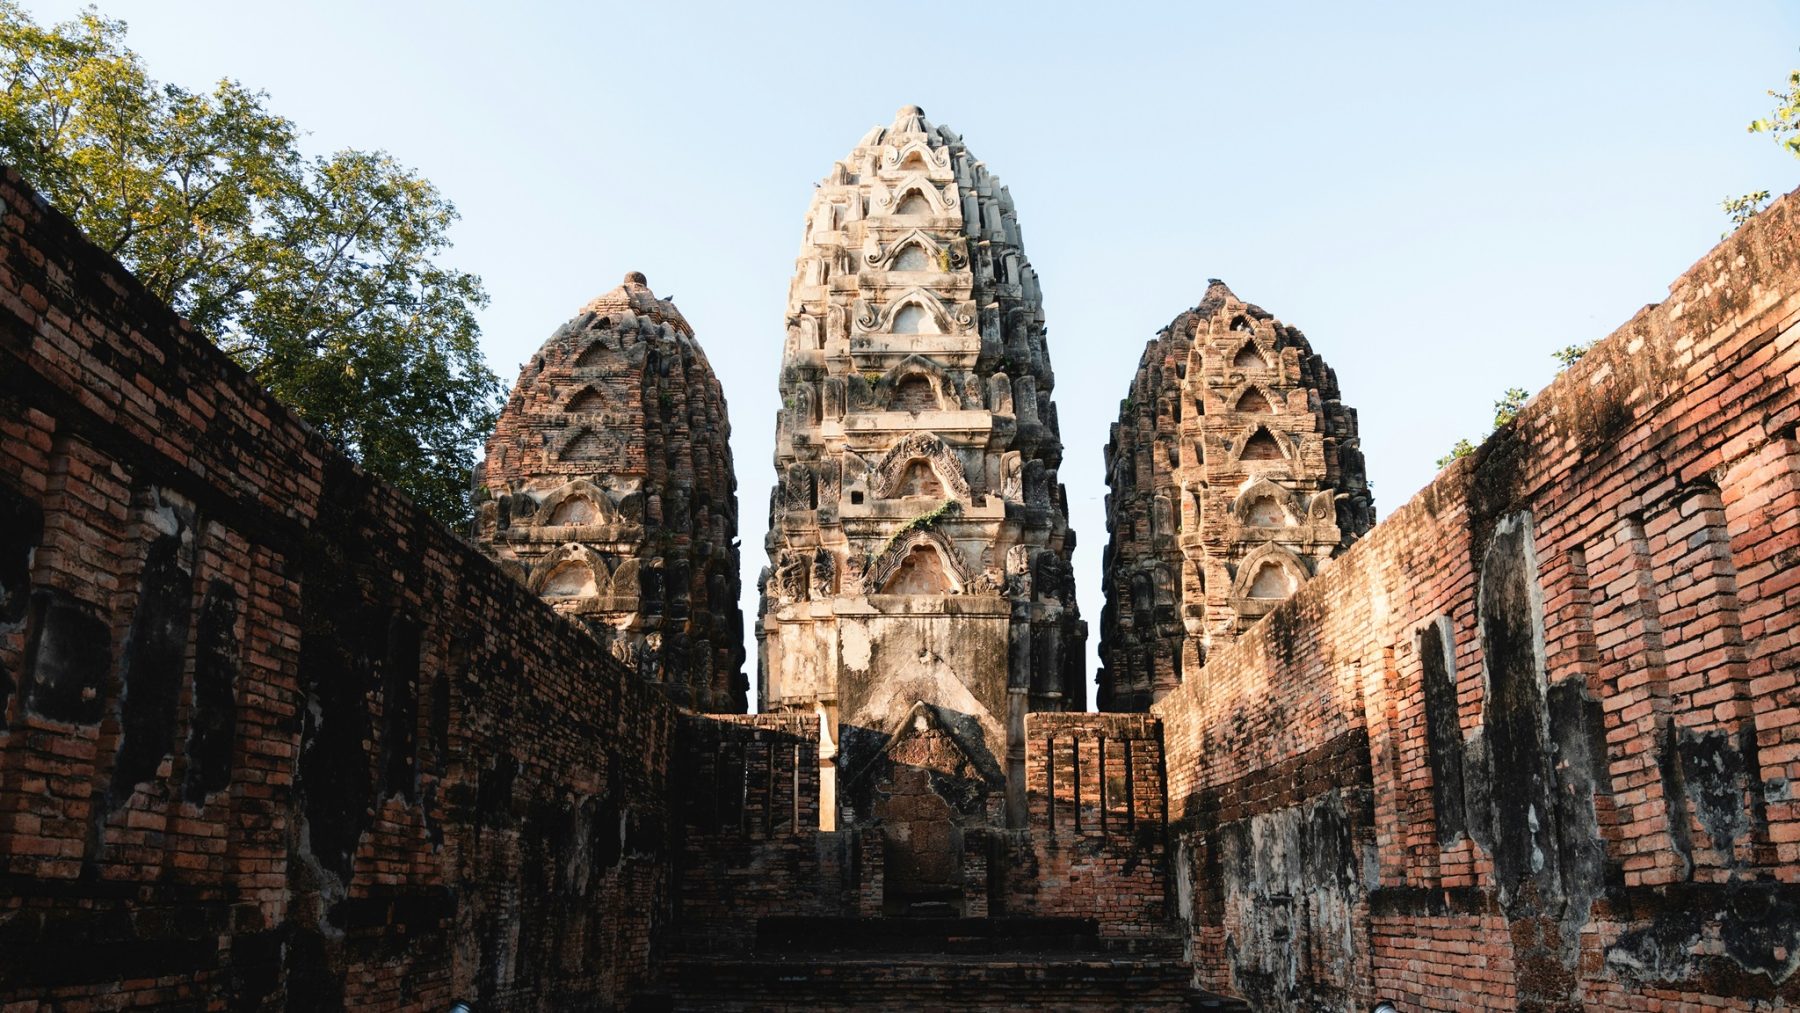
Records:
x=919, y=577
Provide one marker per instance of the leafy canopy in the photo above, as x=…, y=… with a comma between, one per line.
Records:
x=318, y=274
x=1783, y=124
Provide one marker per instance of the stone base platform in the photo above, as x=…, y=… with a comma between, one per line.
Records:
x=906, y=965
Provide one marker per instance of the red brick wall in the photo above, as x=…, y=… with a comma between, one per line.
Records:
x=1096, y=846
x=1533, y=742
x=268, y=733
x=747, y=804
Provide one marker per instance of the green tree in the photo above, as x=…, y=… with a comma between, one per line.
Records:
x=1783, y=124
x=318, y=274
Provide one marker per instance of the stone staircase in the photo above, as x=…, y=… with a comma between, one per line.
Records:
x=920, y=964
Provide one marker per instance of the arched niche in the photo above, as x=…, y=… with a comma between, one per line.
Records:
x=1261, y=445
x=578, y=502
x=570, y=571
x=890, y=472
x=916, y=384
x=1254, y=400
x=1271, y=573
x=586, y=443
x=913, y=257
x=589, y=399
x=912, y=318
x=919, y=562
x=1263, y=504
x=595, y=354
x=1249, y=357
x=913, y=202
x=914, y=393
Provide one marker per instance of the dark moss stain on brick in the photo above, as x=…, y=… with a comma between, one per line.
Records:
x=1758, y=930
x=1577, y=729
x=155, y=652
x=1514, y=719
x=1443, y=731
x=400, y=709
x=494, y=793
x=68, y=655
x=1716, y=775
x=212, y=729
x=1674, y=786
x=341, y=640
x=21, y=530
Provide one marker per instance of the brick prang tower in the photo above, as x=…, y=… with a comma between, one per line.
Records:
x=919, y=544
x=1235, y=474
x=608, y=489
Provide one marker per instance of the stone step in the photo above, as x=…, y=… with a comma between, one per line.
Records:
x=779, y=935
x=941, y=982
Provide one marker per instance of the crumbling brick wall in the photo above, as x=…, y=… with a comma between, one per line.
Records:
x=1096, y=846
x=267, y=732
x=1532, y=742
x=747, y=809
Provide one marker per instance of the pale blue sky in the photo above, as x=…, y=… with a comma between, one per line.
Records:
x=1437, y=194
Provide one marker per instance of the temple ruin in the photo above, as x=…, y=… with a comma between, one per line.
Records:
x=919, y=541
x=608, y=490
x=1234, y=475
x=273, y=738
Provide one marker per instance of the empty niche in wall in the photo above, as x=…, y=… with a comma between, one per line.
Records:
x=921, y=572
x=919, y=479
x=912, y=258
x=1261, y=446
x=1248, y=357
x=914, y=203
x=571, y=578
x=575, y=510
x=914, y=394
x=585, y=446
x=1254, y=401
x=1264, y=512
x=913, y=319
x=588, y=400
x=1271, y=581
x=595, y=353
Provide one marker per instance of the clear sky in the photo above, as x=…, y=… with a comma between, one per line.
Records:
x=1439, y=195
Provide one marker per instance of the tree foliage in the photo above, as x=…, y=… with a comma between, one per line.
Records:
x=1783, y=124
x=318, y=274
x=1569, y=355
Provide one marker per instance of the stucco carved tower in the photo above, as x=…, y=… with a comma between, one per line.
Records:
x=608, y=490
x=1235, y=474
x=919, y=544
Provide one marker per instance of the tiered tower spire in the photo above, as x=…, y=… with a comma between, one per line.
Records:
x=1235, y=474
x=919, y=544
x=608, y=489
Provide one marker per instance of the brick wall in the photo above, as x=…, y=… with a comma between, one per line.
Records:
x=747, y=791
x=1096, y=845
x=1533, y=742
x=268, y=733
